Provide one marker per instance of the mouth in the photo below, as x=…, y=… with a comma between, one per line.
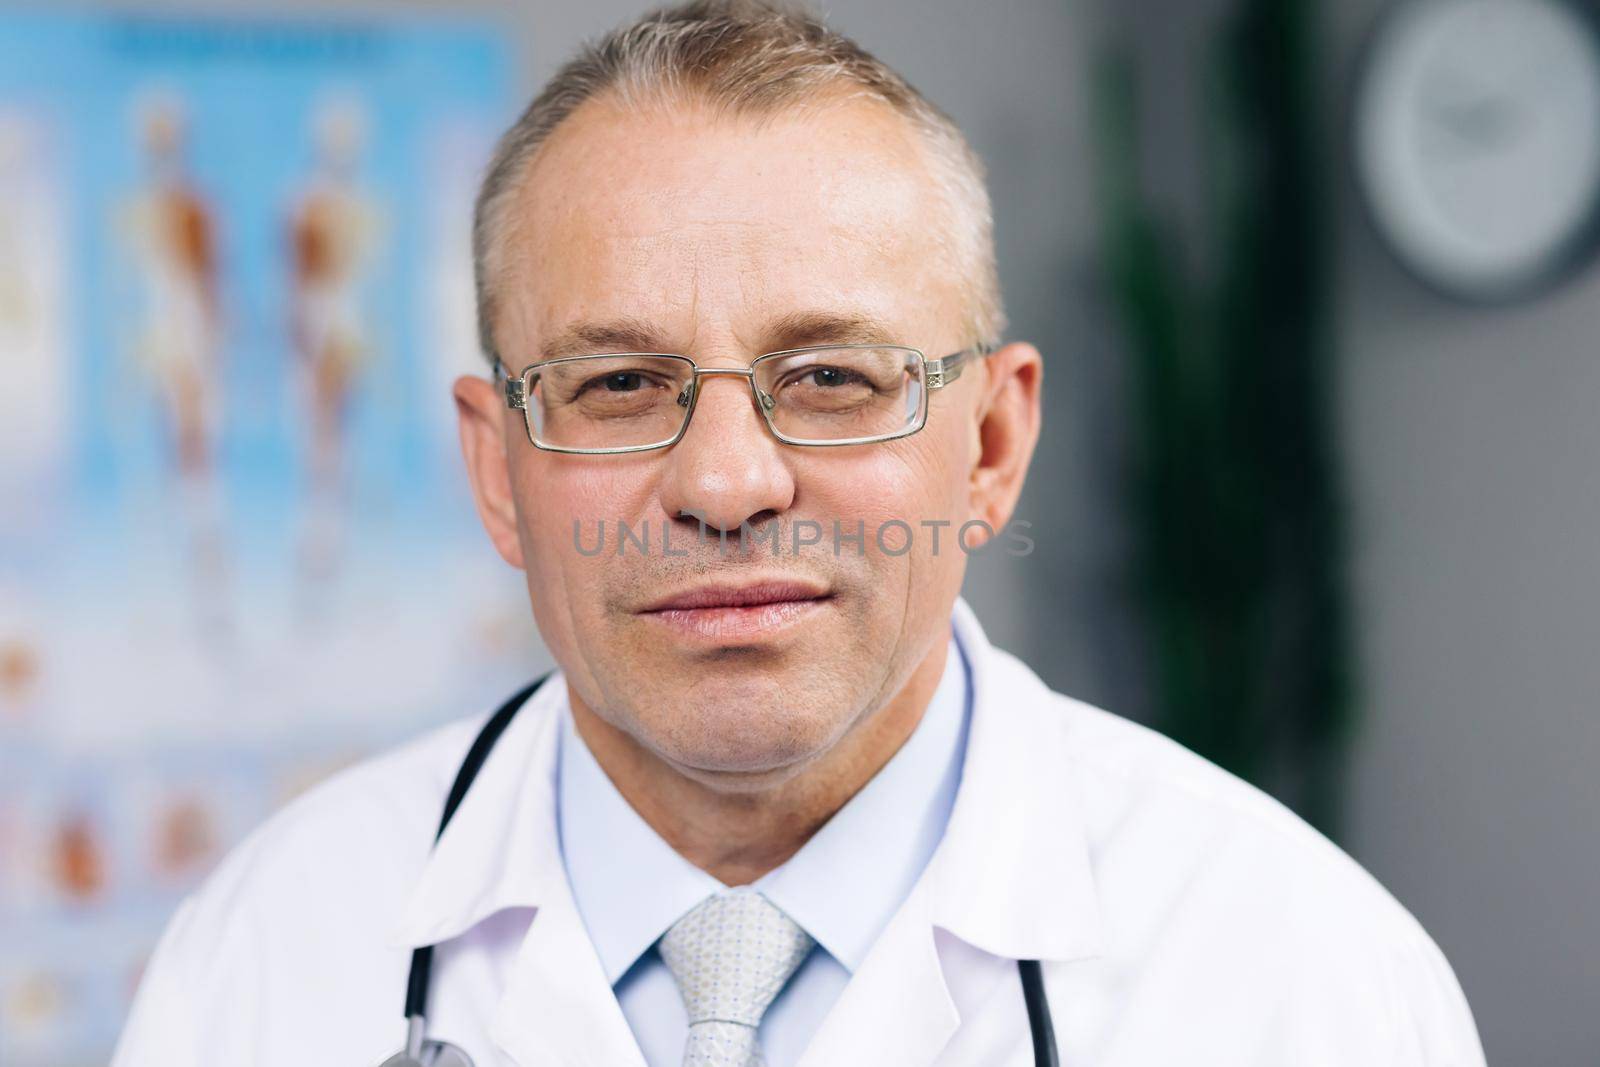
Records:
x=735, y=614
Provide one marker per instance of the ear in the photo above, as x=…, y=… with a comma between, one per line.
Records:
x=1007, y=425
x=481, y=419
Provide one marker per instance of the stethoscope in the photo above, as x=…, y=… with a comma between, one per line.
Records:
x=422, y=1051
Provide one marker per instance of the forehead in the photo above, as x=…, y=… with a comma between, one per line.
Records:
x=685, y=222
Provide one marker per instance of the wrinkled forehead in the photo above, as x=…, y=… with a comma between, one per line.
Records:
x=709, y=229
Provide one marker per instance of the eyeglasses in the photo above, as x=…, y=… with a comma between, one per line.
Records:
x=821, y=395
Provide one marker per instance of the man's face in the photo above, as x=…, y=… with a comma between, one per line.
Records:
x=710, y=235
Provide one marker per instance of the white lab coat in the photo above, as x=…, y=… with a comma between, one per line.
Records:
x=1181, y=917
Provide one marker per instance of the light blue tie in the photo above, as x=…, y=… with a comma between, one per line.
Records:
x=730, y=955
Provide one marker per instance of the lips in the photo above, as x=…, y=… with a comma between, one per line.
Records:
x=729, y=615
x=744, y=596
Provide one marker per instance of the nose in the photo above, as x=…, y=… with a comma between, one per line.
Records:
x=727, y=468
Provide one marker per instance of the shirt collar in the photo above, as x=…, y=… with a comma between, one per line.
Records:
x=628, y=883
x=842, y=886
x=848, y=880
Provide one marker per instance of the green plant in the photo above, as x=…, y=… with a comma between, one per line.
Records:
x=1239, y=546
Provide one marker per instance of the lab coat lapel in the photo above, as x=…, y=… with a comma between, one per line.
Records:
x=896, y=1008
x=1011, y=877
x=501, y=845
x=558, y=1007
x=503, y=850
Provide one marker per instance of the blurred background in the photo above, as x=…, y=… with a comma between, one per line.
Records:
x=1317, y=495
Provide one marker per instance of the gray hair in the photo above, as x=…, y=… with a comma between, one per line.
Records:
x=743, y=57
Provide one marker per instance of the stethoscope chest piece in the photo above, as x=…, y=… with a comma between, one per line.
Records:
x=420, y=1052
x=433, y=1054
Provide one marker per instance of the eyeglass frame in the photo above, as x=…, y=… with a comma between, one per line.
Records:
x=936, y=374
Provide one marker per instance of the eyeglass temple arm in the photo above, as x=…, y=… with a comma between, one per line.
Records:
x=516, y=390
x=941, y=372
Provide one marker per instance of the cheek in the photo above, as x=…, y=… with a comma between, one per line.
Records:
x=913, y=481
x=908, y=501
x=562, y=502
x=554, y=491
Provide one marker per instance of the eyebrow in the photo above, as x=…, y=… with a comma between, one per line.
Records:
x=801, y=328
x=613, y=335
x=797, y=329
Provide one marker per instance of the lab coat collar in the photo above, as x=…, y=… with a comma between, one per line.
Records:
x=1012, y=875
x=501, y=850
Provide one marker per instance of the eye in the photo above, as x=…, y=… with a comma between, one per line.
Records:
x=622, y=381
x=831, y=376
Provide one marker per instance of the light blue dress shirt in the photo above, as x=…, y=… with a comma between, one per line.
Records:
x=842, y=887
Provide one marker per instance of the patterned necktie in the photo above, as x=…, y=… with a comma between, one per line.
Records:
x=730, y=955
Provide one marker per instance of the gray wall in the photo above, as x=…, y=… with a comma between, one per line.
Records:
x=1470, y=442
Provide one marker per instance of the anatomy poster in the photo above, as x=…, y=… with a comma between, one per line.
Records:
x=236, y=550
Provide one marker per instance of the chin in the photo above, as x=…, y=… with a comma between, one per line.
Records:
x=744, y=736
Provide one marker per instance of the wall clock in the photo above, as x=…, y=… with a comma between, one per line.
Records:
x=1476, y=136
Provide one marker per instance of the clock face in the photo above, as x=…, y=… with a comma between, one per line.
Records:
x=1477, y=141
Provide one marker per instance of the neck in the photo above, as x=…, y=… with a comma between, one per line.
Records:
x=738, y=835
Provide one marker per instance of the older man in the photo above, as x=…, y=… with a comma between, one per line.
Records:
x=782, y=802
